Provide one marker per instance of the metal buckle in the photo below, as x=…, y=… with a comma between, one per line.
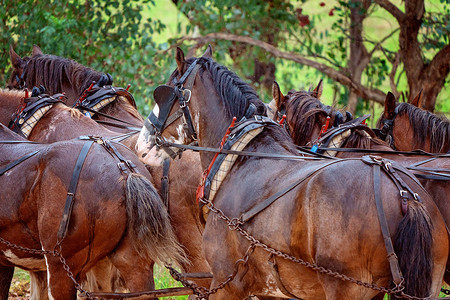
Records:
x=403, y=193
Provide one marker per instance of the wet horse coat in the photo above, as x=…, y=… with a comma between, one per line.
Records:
x=317, y=221
x=115, y=216
x=439, y=189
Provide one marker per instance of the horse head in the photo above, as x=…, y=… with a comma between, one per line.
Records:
x=305, y=113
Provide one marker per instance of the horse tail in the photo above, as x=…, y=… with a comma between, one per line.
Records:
x=413, y=245
x=149, y=224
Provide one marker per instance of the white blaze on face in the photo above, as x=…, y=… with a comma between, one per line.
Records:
x=145, y=154
x=156, y=110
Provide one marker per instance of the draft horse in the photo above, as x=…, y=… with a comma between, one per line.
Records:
x=63, y=123
x=292, y=217
x=406, y=127
x=61, y=75
x=97, y=211
x=347, y=140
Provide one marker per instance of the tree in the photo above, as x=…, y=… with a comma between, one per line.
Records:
x=278, y=31
x=111, y=36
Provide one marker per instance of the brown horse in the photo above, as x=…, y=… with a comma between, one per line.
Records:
x=58, y=74
x=61, y=75
x=63, y=123
x=115, y=214
x=407, y=127
x=358, y=138
x=314, y=222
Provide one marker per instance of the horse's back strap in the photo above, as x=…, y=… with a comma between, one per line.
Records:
x=64, y=224
x=16, y=162
x=392, y=257
x=263, y=205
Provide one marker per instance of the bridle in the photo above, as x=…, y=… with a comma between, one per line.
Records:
x=385, y=133
x=165, y=97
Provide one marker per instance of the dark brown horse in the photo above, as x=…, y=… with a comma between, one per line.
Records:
x=116, y=215
x=407, y=127
x=327, y=219
x=61, y=75
x=358, y=138
x=63, y=123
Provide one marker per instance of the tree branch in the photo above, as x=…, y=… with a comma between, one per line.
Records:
x=391, y=8
x=372, y=94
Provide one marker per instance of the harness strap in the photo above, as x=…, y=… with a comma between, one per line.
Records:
x=64, y=224
x=392, y=257
x=263, y=205
x=16, y=162
x=103, y=114
x=243, y=153
x=165, y=182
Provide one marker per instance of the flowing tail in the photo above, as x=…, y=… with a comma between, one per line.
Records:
x=413, y=245
x=149, y=223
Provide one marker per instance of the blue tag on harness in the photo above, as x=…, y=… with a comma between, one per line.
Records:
x=88, y=114
x=314, y=148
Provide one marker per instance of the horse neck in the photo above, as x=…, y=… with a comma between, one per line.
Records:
x=9, y=103
x=213, y=126
x=403, y=134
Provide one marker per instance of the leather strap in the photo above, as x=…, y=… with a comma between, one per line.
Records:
x=165, y=182
x=64, y=224
x=263, y=205
x=16, y=162
x=392, y=257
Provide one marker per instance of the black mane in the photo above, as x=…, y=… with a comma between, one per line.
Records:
x=426, y=124
x=236, y=94
x=51, y=71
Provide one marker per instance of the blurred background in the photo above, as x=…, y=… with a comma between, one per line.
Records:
x=360, y=48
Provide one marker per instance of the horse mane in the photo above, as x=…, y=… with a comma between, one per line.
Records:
x=236, y=94
x=425, y=123
x=50, y=71
x=302, y=109
x=7, y=94
x=128, y=107
x=360, y=140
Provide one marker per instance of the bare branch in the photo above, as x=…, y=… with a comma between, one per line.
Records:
x=372, y=94
x=394, y=10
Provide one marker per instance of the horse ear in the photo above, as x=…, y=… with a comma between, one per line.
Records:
x=16, y=60
x=417, y=101
x=317, y=92
x=208, y=52
x=277, y=95
x=389, y=105
x=36, y=51
x=180, y=60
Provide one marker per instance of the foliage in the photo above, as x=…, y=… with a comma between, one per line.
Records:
x=320, y=31
x=111, y=36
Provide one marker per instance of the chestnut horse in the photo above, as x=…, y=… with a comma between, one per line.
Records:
x=63, y=123
x=115, y=214
x=61, y=75
x=316, y=219
x=407, y=127
x=358, y=138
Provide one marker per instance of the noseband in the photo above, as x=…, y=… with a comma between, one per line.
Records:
x=165, y=97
